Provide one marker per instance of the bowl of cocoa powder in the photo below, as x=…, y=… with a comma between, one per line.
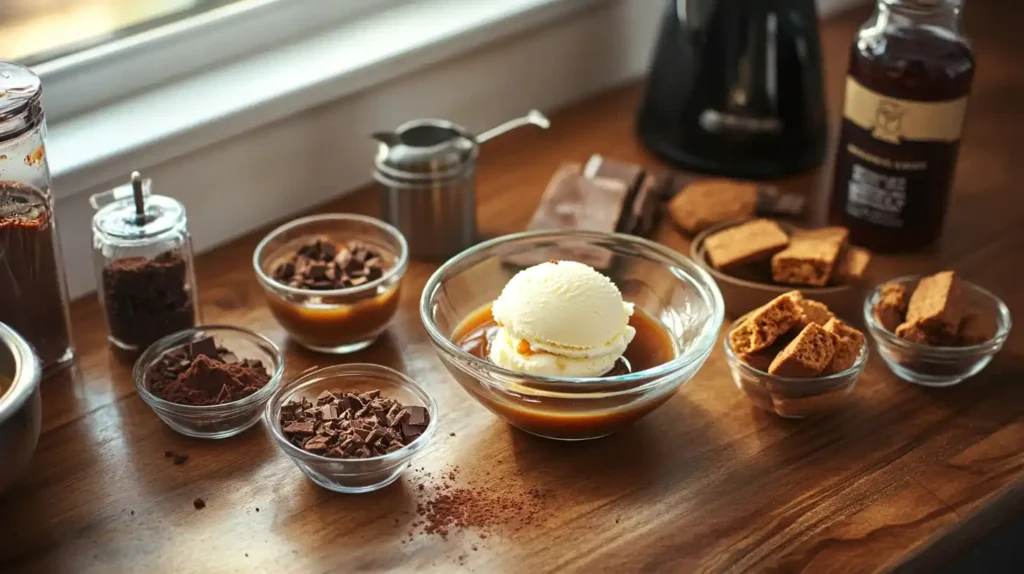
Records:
x=211, y=381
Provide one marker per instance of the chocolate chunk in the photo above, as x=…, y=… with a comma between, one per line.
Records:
x=573, y=201
x=348, y=425
x=321, y=264
x=299, y=428
x=205, y=346
x=199, y=504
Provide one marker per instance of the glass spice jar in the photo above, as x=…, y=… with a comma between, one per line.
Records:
x=144, y=268
x=33, y=290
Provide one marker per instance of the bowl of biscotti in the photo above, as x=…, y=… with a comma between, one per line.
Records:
x=794, y=357
x=936, y=330
x=755, y=260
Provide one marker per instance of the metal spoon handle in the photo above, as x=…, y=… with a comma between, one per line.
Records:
x=533, y=117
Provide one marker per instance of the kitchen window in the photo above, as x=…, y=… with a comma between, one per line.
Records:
x=93, y=52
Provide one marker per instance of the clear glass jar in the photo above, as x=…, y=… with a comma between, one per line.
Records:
x=144, y=270
x=33, y=290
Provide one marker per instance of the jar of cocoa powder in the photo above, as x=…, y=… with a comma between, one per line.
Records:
x=33, y=291
x=144, y=272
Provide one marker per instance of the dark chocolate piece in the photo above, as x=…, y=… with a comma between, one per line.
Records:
x=348, y=425
x=323, y=265
x=205, y=346
x=572, y=201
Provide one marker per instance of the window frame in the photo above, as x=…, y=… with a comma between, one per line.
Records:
x=100, y=74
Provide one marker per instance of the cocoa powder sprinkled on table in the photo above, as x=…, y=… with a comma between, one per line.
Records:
x=447, y=506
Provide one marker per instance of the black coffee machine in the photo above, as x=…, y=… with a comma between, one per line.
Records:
x=736, y=88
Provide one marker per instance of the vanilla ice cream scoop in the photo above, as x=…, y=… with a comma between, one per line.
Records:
x=560, y=319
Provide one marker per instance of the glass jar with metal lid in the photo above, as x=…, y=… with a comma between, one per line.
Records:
x=144, y=265
x=33, y=290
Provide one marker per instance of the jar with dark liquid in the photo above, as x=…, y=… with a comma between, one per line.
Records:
x=33, y=291
x=906, y=97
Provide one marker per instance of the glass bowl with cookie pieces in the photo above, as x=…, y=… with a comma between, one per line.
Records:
x=754, y=260
x=938, y=330
x=332, y=281
x=352, y=428
x=211, y=381
x=794, y=357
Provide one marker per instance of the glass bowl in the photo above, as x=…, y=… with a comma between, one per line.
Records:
x=354, y=475
x=795, y=398
x=665, y=284
x=212, y=421
x=934, y=366
x=340, y=320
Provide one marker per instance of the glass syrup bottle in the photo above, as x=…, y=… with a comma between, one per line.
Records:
x=906, y=96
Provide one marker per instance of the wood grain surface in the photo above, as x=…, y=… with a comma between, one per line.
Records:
x=903, y=479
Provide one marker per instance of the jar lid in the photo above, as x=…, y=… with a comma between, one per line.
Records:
x=425, y=151
x=119, y=218
x=20, y=100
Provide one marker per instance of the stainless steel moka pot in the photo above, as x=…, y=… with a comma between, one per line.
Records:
x=427, y=172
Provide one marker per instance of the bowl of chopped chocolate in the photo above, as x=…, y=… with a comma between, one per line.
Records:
x=937, y=330
x=352, y=428
x=756, y=260
x=333, y=281
x=211, y=381
x=793, y=357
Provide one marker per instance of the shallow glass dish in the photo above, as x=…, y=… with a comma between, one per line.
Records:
x=353, y=475
x=334, y=321
x=795, y=398
x=934, y=366
x=212, y=421
x=662, y=282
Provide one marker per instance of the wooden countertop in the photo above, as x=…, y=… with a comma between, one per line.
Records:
x=905, y=477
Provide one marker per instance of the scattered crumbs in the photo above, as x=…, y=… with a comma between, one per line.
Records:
x=246, y=554
x=178, y=458
x=199, y=503
x=257, y=509
x=616, y=521
x=133, y=513
x=451, y=434
x=447, y=506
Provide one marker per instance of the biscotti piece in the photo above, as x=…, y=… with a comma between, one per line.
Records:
x=806, y=261
x=913, y=333
x=835, y=234
x=852, y=265
x=764, y=325
x=704, y=203
x=751, y=241
x=849, y=342
x=807, y=355
x=937, y=305
x=891, y=307
x=976, y=328
x=762, y=359
x=810, y=311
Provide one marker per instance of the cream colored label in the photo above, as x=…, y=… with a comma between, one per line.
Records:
x=894, y=120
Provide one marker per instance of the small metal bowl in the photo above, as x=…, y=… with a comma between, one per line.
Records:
x=21, y=409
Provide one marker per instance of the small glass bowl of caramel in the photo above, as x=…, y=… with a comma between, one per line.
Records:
x=317, y=314
x=678, y=311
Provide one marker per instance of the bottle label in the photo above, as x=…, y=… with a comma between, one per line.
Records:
x=894, y=120
x=897, y=156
